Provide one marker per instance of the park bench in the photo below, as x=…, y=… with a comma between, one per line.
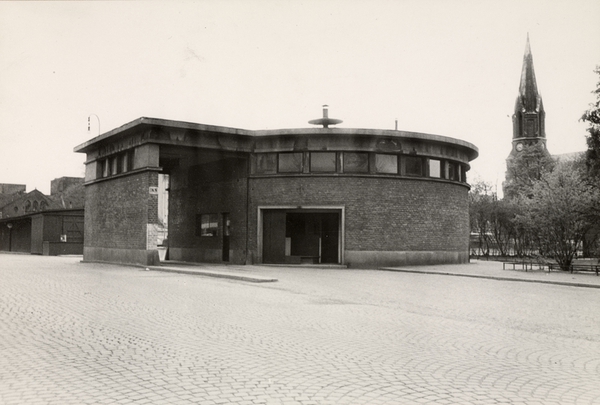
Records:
x=593, y=268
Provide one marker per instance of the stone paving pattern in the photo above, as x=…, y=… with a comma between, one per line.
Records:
x=83, y=333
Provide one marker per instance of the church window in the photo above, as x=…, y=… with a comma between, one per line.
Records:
x=27, y=206
x=35, y=205
x=530, y=128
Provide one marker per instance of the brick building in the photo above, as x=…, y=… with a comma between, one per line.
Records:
x=358, y=197
x=42, y=224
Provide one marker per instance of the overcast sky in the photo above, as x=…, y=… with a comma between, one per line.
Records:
x=445, y=67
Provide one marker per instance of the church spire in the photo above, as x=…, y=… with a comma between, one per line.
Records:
x=529, y=116
x=528, y=93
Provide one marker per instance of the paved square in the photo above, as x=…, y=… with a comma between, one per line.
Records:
x=80, y=333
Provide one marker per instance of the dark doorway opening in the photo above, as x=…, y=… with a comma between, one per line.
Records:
x=300, y=236
x=226, y=233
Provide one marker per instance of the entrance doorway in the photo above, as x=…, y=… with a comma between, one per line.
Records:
x=301, y=236
x=226, y=233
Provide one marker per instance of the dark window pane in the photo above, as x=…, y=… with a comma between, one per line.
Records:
x=105, y=168
x=452, y=171
x=290, y=162
x=356, y=162
x=124, y=163
x=130, y=159
x=266, y=163
x=207, y=224
x=114, y=164
x=413, y=165
x=322, y=162
x=386, y=163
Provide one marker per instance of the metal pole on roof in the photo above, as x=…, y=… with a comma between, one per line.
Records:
x=98, y=118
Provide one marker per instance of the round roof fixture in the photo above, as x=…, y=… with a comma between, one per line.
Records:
x=325, y=121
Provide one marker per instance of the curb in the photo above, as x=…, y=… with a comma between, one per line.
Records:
x=206, y=273
x=230, y=276
x=444, y=273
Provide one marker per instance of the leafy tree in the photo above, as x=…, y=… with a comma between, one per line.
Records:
x=526, y=168
x=502, y=224
x=560, y=210
x=592, y=116
x=481, y=197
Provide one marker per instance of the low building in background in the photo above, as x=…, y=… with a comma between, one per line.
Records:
x=355, y=197
x=43, y=224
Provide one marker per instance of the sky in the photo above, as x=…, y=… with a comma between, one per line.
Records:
x=444, y=67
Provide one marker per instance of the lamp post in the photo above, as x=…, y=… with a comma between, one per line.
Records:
x=9, y=225
x=89, y=124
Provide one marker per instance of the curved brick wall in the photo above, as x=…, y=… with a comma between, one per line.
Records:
x=388, y=221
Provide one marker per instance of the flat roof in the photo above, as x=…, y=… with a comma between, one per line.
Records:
x=146, y=121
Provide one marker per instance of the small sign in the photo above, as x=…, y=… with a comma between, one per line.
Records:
x=153, y=190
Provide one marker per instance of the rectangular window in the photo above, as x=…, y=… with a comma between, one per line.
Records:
x=435, y=167
x=125, y=162
x=105, y=168
x=413, y=165
x=322, y=162
x=452, y=171
x=290, y=162
x=207, y=224
x=386, y=163
x=356, y=162
x=114, y=165
x=266, y=163
x=130, y=159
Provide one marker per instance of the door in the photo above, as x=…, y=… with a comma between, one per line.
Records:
x=274, y=236
x=226, y=233
x=330, y=226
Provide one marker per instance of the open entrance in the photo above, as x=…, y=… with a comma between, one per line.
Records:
x=301, y=236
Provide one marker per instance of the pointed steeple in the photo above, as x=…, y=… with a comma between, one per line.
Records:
x=528, y=93
x=529, y=116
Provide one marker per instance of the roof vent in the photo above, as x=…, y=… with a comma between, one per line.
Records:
x=325, y=121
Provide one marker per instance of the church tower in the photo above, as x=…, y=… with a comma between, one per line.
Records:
x=529, y=116
x=529, y=157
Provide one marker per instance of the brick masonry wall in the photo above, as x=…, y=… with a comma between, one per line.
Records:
x=192, y=194
x=118, y=210
x=382, y=214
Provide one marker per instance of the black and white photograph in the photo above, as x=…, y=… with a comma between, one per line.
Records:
x=300, y=202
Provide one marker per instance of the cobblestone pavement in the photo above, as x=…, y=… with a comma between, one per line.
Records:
x=82, y=333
